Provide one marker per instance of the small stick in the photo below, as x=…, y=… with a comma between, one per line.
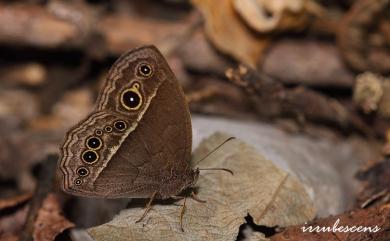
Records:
x=46, y=180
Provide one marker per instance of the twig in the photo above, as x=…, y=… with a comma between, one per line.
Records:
x=46, y=180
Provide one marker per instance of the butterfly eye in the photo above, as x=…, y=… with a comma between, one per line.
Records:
x=131, y=99
x=82, y=171
x=90, y=156
x=120, y=125
x=145, y=70
x=94, y=143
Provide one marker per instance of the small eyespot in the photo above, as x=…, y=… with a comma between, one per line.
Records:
x=120, y=125
x=145, y=70
x=82, y=171
x=94, y=143
x=78, y=182
x=99, y=132
x=90, y=156
x=131, y=99
x=108, y=129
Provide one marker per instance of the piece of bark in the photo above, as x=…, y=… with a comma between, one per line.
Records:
x=311, y=63
x=228, y=32
x=362, y=43
x=375, y=218
x=298, y=102
x=258, y=188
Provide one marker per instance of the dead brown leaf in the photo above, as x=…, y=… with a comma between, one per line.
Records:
x=265, y=16
x=14, y=201
x=229, y=33
x=258, y=188
x=50, y=221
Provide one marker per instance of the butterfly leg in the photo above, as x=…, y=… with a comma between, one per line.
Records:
x=193, y=196
x=182, y=214
x=148, y=207
x=174, y=197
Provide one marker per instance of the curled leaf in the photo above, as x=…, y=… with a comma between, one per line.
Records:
x=265, y=15
x=229, y=33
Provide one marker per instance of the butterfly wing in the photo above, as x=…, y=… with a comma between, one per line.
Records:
x=151, y=153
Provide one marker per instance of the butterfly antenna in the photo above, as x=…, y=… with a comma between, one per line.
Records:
x=211, y=152
x=217, y=169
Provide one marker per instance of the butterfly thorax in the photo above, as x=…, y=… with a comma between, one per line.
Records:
x=176, y=185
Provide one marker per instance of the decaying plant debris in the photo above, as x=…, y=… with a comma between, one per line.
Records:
x=315, y=70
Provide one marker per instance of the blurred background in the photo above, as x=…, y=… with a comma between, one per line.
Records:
x=312, y=67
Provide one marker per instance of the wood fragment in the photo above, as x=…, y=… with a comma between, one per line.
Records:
x=297, y=102
x=46, y=180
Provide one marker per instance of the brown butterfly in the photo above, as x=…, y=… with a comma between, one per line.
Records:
x=137, y=141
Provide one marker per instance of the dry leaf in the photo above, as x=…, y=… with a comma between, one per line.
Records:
x=14, y=201
x=368, y=91
x=50, y=222
x=258, y=188
x=266, y=15
x=228, y=32
x=371, y=93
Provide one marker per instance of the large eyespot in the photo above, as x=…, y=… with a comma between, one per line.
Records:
x=145, y=70
x=120, y=125
x=90, y=156
x=82, y=171
x=94, y=143
x=131, y=99
x=78, y=182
